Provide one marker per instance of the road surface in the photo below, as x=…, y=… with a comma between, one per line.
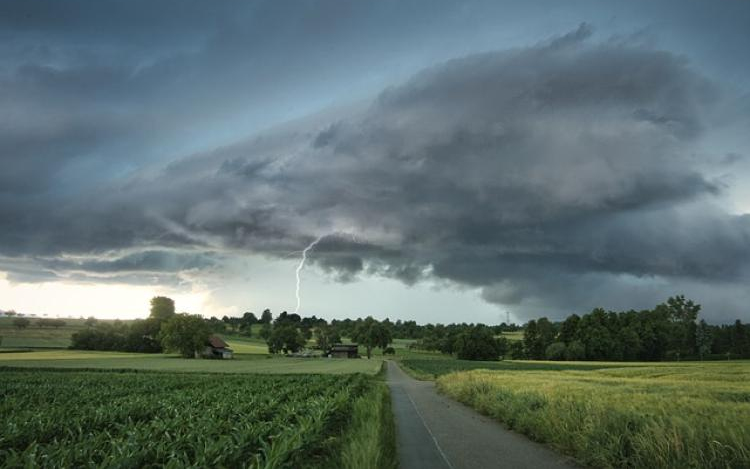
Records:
x=435, y=432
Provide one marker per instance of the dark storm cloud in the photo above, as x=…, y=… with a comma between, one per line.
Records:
x=555, y=177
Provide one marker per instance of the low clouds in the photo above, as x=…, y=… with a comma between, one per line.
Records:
x=556, y=178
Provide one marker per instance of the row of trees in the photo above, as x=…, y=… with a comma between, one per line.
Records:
x=670, y=331
x=467, y=341
x=290, y=333
x=163, y=330
x=23, y=323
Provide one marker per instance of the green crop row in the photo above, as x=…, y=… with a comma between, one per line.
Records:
x=100, y=419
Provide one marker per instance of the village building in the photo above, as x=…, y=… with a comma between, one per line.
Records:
x=217, y=348
x=344, y=351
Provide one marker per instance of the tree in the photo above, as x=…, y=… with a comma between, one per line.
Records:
x=326, y=336
x=740, y=340
x=184, y=333
x=569, y=329
x=265, y=331
x=162, y=308
x=10, y=313
x=477, y=343
x=516, y=350
x=246, y=323
x=537, y=336
x=371, y=333
x=575, y=351
x=556, y=351
x=91, y=321
x=266, y=317
x=21, y=323
x=703, y=339
x=285, y=338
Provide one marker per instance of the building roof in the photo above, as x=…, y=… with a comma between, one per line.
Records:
x=217, y=342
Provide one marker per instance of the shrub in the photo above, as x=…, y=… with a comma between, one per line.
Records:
x=556, y=351
x=478, y=343
x=575, y=351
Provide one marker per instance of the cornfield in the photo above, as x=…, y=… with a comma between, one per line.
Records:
x=107, y=419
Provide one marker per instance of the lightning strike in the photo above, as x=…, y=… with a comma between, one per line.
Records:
x=299, y=269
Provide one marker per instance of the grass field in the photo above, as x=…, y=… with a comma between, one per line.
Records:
x=635, y=415
x=517, y=335
x=158, y=362
x=242, y=344
x=430, y=367
x=34, y=336
x=105, y=419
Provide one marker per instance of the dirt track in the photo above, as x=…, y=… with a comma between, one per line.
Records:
x=435, y=432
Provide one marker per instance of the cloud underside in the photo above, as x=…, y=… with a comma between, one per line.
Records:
x=555, y=177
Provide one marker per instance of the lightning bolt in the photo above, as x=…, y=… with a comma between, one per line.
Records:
x=299, y=269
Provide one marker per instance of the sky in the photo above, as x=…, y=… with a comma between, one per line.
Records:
x=459, y=161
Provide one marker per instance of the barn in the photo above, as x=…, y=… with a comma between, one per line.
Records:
x=344, y=351
x=217, y=348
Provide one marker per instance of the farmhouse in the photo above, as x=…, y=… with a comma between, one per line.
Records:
x=344, y=351
x=217, y=348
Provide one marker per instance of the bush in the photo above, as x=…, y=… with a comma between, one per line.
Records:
x=389, y=351
x=556, y=351
x=478, y=343
x=575, y=351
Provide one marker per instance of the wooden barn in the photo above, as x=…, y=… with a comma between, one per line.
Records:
x=217, y=348
x=344, y=351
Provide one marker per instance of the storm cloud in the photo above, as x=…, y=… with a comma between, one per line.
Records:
x=555, y=177
x=543, y=163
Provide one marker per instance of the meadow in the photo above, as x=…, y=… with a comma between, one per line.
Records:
x=107, y=419
x=614, y=415
x=39, y=337
x=431, y=366
x=247, y=363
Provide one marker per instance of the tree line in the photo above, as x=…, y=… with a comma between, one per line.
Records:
x=23, y=322
x=164, y=330
x=669, y=331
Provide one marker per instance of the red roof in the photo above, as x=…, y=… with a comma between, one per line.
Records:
x=216, y=342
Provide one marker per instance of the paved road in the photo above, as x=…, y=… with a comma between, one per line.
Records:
x=435, y=432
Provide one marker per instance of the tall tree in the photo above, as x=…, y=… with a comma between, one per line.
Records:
x=285, y=337
x=266, y=317
x=371, y=333
x=703, y=339
x=162, y=308
x=185, y=333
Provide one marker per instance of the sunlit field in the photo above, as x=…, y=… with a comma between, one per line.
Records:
x=668, y=415
x=247, y=363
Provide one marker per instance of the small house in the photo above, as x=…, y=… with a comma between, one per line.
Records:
x=217, y=348
x=344, y=351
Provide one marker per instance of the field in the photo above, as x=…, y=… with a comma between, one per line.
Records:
x=667, y=415
x=34, y=336
x=516, y=335
x=432, y=366
x=182, y=420
x=159, y=362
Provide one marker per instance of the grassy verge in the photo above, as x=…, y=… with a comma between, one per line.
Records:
x=692, y=416
x=370, y=440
